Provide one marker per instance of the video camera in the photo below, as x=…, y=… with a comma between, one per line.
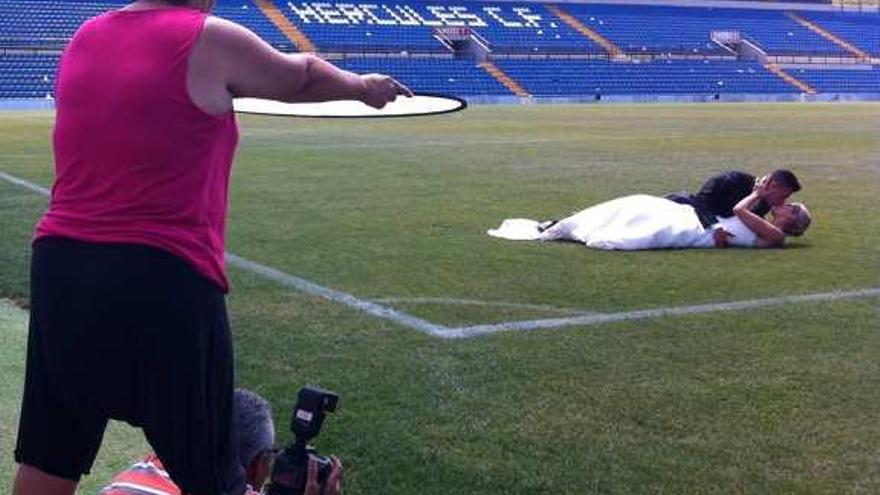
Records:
x=291, y=465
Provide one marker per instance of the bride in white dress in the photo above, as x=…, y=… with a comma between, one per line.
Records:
x=649, y=222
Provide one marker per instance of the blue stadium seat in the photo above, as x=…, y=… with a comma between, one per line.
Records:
x=537, y=49
x=853, y=80
x=561, y=78
x=436, y=75
x=508, y=28
x=51, y=23
x=658, y=29
x=859, y=29
x=27, y=76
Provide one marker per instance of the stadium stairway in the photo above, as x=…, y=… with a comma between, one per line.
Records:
x=785, y=76
x=504, y=79
x=302, y=42
x=828, y=35
x=609, y=47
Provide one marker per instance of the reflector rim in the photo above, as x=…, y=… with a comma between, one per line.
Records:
x=462, y=104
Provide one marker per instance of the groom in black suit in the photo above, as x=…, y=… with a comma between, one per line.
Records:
x=722, y=192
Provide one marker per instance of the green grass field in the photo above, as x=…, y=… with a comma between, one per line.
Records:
x=783, y=399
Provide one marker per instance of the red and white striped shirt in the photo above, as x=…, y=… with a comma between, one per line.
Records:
x=147, y=477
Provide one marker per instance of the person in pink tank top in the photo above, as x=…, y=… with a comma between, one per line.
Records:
x=128, y=317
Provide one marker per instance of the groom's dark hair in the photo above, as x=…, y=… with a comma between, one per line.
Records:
x=786, y=178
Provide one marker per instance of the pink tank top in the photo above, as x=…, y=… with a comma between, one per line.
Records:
x=136, y=161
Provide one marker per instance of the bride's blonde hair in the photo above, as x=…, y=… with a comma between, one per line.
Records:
x=801, y=221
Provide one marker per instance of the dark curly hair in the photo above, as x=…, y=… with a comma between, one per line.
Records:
x=786, y=178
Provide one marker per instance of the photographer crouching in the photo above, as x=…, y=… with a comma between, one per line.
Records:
x=298, y=469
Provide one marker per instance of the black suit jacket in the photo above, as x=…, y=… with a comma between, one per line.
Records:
x=720, y=194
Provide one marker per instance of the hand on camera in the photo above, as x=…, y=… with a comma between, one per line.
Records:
x=333, y=485
x=380, y=90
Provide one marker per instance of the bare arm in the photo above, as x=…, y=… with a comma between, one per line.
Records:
x=250, y=67
x=768, y=234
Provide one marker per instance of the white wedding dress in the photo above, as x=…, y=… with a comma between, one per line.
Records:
x=630, y=223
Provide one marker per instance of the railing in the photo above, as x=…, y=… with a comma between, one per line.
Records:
x=817, y=59
x=29, y=50
x=858, y=5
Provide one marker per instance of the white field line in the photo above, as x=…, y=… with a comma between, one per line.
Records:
x=298, y=283
x=464, y=332
x=343, y=298
x=476, y=302
x=25, y=184
x=598, y=319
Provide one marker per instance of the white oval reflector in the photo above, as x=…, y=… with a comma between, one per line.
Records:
x=420, y=104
